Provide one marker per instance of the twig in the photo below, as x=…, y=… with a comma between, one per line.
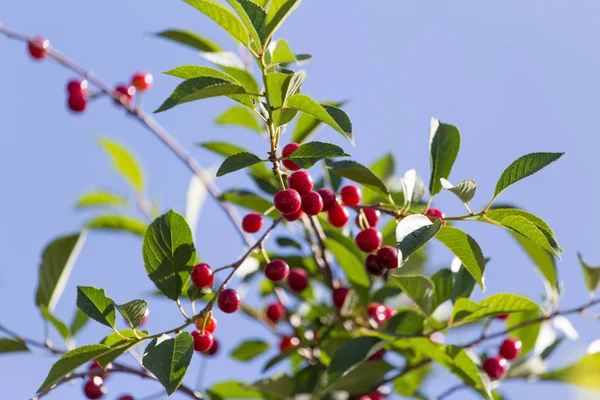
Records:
x=450, y=391
x=321, y=237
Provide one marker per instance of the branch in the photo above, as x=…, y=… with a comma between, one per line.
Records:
x=324, y=254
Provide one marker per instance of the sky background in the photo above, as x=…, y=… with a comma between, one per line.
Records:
x=515, y=77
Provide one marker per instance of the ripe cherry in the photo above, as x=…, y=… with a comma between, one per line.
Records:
x=213, y=349
x=286, y=152
x=328, y=198
x=510, y=349
x=495, y=367
x=377, y=356
x=502, y=317
x=339, y=297
x=277, y=270
x=368, y=240
x=77, y=102
x=142, y=81
x=252, y=222
x=275, y=312
x=76, y=86
x=211, y=325
x=287, y=201
x=126, y=397
x=202, y=341
x=372, y=216
x=338, y=215
x=94, y=388
x=38, y=47
x=434, y=214
x=288, y=342
x=372, y=265
x=312, y=203
x=378, y=312
x=293, y=217
x=351, y=195
x=301, y=182
x=229, y=301
x=297, y=280
x=372, y=396
x=94, y=365
x=202, y=276
x=387, y=257
x=124, y=93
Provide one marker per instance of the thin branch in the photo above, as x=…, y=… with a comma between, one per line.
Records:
x=324, y=253
x=450, y=391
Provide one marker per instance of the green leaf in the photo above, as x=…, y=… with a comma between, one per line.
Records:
x=245, y=78
x=118, y=223
x=353, y=268
x=70, y=361
x=96, y=304
x=228, y=150
x=250, y=201
x=100, y=198
x=249, y=350
x=351, y=354
x=463, y=285
x=168, y=359
x=444, y=143
x=189, y=39
x=60, y=326
x=282, y=53
x=133, y=312
x=288, y=242
x=253, y=17
x=125, y=164
x=278, y=11
x=591, y=275
x=362, y=378
x=307, y=379
x=242, y=116
x=169, y=253
x=236, y=162
x=523, y=167
x=277, y=84
x=409, y=383
x=198, y=71
x=80, y=319
x=357, y=173
x=332, y=116
x=527, y=334
x=413, y=187
x=465, y=190
x=443, y=281
x=12, y=346
x=307, y=125
x=465, y=310
x=118, y=345
x=419, y=288
x=405, y=322
x=466, y=249
x=232, y=390
x=58, y=259
x=584, y=373
x=310, y=153
x=545, y=263
x=281, y=386
x=384, y=169
x=413, y=232
x=222, y=16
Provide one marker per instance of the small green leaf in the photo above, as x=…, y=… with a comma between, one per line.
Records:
x=444, y=143
x=466, y=249
x=413, y=232
x=118, y=223
x=308, y=378
x=419, y=288
x=307, y=125
x=591, y=275
x=222, y=16
x=584, y=373
x=168, y=359
x=241, y=116
x=80, y=319
x=384, y=169
x=187, y=72
x=277, y=84
x=465, y=310
x=361, y=379
x=527, y=334
x=413, y=187
x=232, y=390
x=236, y=162
x=282, y=53
x=125, y=164
x=96, y=304
x=118, y=345
x=278, y=11
x=351, y=354
x=405, y=322
x=357, y=173
x=465, y=190
x=246, y=79
x=12, y=346
x=100, y=198
x=249, y=350
x=253, y=17
x=133, y=312
x=228, y=150
x=200, y=88
x=409, y=383
x=310, y=153
x=353, y=267
x=60, y=326
x=280, y=385
x=189, y=39
x=250, y=201
x=283, y=241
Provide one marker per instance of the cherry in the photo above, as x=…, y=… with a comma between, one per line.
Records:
x=126, y=397
x=202, y=341
x=434, y=214
x=377, y=356
x=297, y=280
x=293, y=217
x=145, y=317
x=95, y=365
x=275, y=312
x=287, y=201
x=368, y=240
x=312, y=203
x=142, y=81
x=495, y=367
x=372, y=216
x=351, y=195
x=372, y=265
x=94, y=388
x=372, y=396
x=277, y=270
x=338, y=215
x=76, y=86
x=378, y=312
x=211, y=325
x=502, y=317
x=301, y=182
x=229, y=301
x=328, y=198
x=38, y=47
x=510, y=349
x=202, y=276
x=77, y=102
x=339, y=297
x=387, y=257
x=213, y=349
x=286, y=152
x=288, y=342
x=124, y=93
x=252, y=222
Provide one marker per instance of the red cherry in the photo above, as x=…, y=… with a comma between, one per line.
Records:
x=229, y=301
x=275, y=312
x=286, y=152
x=339, y=297
x=368, y=240
x=124, y=93
x=328, y=198
x=293, y=217
x=387, y=257
x=94, y=365
x=372, y=396
x=287, y=201
x=377, y=356
x=351, y=195
x=126, y=397
x=378, y=312
x=94, y=388
x=38, y=47
x=372, y=265
x=142, y=81
x=202, y=276
x=434, y=214
x=76, y=86
x=510, y=349
x=252, y=222
x=277, y=270
x=297, y=280
x=389, y=313
x=495, y=367
x=202, y=341
x=312, y=203
x=301, y=182
x=211, y=325
x=338, y=215
x=502, y=317
x=145, y=317
x=373, y=217
x=213, y=349
x=288, y=342
x=77, y=102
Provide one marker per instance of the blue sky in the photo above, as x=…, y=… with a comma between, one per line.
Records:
x=515, y=77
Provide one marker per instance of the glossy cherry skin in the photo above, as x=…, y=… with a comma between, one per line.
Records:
x=142, y=81
x=378, y=312
x=202, y=276
x=387, y=257
x=328, y=197
x=38, y=47
x=202, y=341
x=252, y=222
x=76, y=86
x=286, y=152
x=301, y=182
x=339, y=297
x=502, y=317
x=277, y=270
x=338, y=215
x=293, y=217
x=125, y=93
x=372, y=265
x=229, y=301
x=351, y=195
x=126, y=397
x=275, y=312
x=213, y=349
x=368, y=240
x=434, y=214
x=288, y=342
x=211, y=325
x=287, y=201
x=94, y=388
x=372, y=216
x=510, y=349
x=312, y=203
x=297, y=280
x=495, y=367
x=77, y=102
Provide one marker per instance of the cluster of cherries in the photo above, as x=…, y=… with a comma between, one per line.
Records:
x=495, y=367
x=94, y=387
x=77, y=90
